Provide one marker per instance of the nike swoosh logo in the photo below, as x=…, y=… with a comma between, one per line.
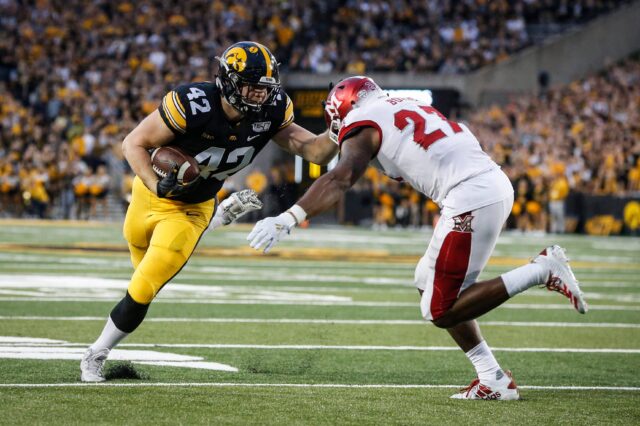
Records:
x=250, y=138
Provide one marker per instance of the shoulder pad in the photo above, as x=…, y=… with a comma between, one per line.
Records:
x=188, y=106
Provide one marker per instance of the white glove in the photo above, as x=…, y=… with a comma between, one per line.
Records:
x=238, y=204
x=267, y=232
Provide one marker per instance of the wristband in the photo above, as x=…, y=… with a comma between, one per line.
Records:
x=298, y=213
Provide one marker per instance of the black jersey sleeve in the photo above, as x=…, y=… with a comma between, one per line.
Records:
x=187, y=107
x=288, y=113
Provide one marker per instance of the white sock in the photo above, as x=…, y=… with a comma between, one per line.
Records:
x=485, y=363
x=109, y=338
x=524, y=277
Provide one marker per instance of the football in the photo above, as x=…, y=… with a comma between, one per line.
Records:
x=164, y=158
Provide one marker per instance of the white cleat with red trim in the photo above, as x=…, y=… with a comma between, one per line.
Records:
x=503, y=390
x=561, y=277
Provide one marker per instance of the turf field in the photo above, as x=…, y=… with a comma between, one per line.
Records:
x=326, y=330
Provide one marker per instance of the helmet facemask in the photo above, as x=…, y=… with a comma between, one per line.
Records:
x=332, y=119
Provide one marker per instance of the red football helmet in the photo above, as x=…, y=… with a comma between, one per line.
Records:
x=345, y=96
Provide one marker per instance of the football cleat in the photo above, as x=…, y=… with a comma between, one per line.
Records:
x=498, y=391
x=91, y=365
x=238, y=204
x=561, y=277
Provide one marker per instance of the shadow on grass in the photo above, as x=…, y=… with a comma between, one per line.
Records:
x=124, y=370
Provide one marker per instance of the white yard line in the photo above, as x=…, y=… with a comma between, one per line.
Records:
x=89, y=299
x=361, y=348
x=62, y=344
x=332, y=321
x=301, y=385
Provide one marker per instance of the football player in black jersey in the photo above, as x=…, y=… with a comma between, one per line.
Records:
x=223, y=125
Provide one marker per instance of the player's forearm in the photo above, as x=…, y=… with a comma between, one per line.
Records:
x=320, y=150
x=324, y=194
x=140, y=162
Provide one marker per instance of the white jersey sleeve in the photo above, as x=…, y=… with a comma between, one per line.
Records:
x=419, y=145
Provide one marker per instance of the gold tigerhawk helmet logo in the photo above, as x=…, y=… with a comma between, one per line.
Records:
x=237, y=58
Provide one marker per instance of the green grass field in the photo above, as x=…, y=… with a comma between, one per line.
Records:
x=326, y=330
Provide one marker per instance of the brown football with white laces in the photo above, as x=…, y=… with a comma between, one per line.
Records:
x=163, y=160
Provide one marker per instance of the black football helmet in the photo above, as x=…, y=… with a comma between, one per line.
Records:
x=247, y=63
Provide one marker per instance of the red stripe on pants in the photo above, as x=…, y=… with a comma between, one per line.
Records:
x=451, y=268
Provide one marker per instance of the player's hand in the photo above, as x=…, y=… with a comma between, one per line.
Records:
x=238, y=204
x=169, y=187
x=267, y=232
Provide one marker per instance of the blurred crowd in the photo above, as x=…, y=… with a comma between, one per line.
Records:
x=76, y=77
x=102, y=40
x=583, y=137
x=448, y=37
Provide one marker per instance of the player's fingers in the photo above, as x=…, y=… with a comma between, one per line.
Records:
x=269, y=245
x=255, y=239
x=254, y=231
x=251, y=205
x=265, y=239
x=254, y=201
x=259, y=239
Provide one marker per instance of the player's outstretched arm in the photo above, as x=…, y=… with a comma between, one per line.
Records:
x=357, y=151
x=150, y=133
x=319, y=149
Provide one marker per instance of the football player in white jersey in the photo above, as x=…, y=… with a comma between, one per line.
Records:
x=411, y=141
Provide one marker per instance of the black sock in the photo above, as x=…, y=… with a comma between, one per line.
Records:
x=128, y=314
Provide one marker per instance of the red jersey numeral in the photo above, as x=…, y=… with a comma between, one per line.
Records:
x=402, y=117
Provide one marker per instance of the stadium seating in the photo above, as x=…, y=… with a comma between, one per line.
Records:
x=76, y=76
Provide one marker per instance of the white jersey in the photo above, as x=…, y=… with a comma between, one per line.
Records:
x=420, y=146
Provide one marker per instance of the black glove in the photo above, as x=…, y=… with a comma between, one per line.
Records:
x=168, y=186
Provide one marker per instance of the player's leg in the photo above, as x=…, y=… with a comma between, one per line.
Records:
x=137, y=231
x=457, y=253
x=175, y=232
x=550, y=268
x=171, y=246
x=491, y=380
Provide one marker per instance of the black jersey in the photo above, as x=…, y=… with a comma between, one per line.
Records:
x=222, y=148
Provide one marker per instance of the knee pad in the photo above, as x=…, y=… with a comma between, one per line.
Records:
x=141, y=289
x=128, y=314
x=158, y=267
